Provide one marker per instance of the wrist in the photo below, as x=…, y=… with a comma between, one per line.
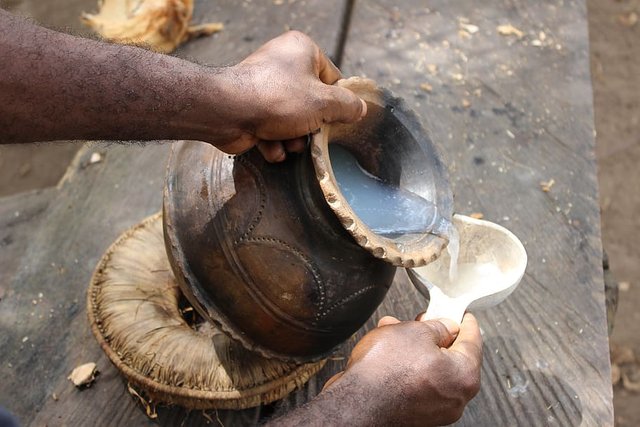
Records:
x=209, y=112
x=350, y=400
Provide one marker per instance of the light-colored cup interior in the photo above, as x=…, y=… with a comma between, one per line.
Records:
x=481, y=242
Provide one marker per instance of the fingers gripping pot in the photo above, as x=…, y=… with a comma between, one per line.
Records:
x=274, y=254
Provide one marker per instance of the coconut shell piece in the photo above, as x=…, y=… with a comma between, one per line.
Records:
x=134, y=312
x=160, y=25
x=83, y=375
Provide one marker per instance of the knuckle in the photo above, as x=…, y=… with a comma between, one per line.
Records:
x=297, y=36
x=440, y=363
x=323, y=102
x=454, y=414
x=470, y=386
x=296, y=33
x=469, y=379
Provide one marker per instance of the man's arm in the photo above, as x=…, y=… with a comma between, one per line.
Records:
x=55, y=86
x=401, y=373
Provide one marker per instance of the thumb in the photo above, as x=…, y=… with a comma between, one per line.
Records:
x=332, y=380
x=343, y=106
x=442, y=332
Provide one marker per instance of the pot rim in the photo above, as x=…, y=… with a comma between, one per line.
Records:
x=400, y=255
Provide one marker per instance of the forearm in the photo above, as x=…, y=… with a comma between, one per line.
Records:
x=54, y=86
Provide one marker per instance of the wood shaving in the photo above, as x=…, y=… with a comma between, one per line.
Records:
x=630, y=385
x=204, y=413
x=433, y=69
x=624, y=286
x=509, y=30
x=466, y=103
x=159, y=25
x=149, y=407
x=83, y=375
x=628, y=19
x=616, y=374
x=469, y=28
x=477, y=215
x=95, y=158
x=546, y=185
x=622, y=355
x=54, y=397
x=426, y=87
x=24, y=169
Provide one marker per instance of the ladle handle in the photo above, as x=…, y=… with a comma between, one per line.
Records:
x=443, y=307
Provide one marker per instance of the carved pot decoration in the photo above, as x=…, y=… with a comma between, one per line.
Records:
x=274, y=254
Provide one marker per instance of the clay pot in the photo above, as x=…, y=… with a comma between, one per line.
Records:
x=274, y=255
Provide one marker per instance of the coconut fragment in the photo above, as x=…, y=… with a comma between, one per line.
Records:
x=83, y=375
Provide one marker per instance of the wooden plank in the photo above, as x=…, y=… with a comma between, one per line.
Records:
x=47, y=339
x=19, y=215
x=94, y=204
x=249, y=24
x=510, y=112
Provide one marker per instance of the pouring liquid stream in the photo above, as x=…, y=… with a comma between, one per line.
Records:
x=389, y=210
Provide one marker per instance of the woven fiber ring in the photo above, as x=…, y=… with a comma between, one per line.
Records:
x=133, y=304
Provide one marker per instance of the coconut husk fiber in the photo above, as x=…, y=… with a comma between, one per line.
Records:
x=160, y=25
x=136, y=313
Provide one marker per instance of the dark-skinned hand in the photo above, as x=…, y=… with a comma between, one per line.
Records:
x=285, y=91
x=415, y=373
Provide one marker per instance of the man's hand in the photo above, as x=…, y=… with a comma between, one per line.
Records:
x=403, y=373
x=285, y=92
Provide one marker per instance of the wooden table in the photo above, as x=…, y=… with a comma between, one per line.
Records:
x=509, y=111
